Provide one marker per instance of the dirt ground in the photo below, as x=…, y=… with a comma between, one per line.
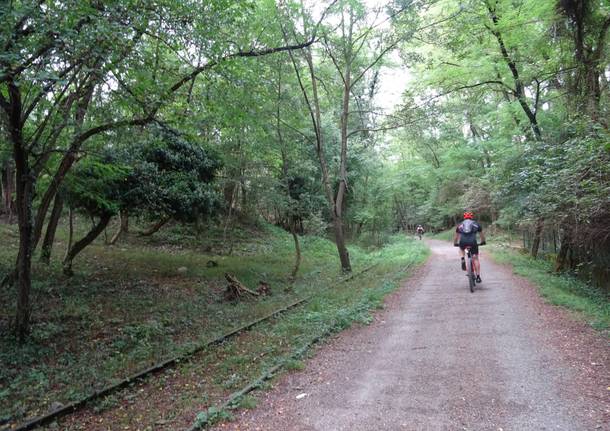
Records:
x=441, y=358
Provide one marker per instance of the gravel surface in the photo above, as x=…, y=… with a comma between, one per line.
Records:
x=442, y=358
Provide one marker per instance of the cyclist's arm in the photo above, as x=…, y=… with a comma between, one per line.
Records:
x=482, y=236
x=456, y=237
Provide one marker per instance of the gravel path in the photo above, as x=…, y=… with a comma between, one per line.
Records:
x=441, y=358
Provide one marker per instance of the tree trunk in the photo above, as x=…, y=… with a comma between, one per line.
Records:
x=199, y=226
x=66, y=163
x=341, y=247
x=313, y=105
x=332, y=202
x=537, y=236
x=24, y=198
x=228, y=222
x=124, y=214
x=116, y=235
x=561, y=263
x=519, y=90
x=84, y=242
x=49, y=195
x=24, y=182
x=293, y=219
x=70, y=230
x=3, y=193
x=342, y=189
x=244, y=192
x=593, y=91
x=123, y=227
x=297, y=254
x=589, y=51
x=155, y=228
x=8, y=187
x=49, y=238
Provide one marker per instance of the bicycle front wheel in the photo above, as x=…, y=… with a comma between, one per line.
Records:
x=471, y=278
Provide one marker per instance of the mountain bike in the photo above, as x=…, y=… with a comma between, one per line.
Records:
x=472, y=278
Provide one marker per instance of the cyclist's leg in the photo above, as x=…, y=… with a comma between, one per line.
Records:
x=462, y=254
x=474, y=252
x=476, y=264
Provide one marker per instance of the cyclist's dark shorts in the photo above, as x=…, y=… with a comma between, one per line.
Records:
x=474, y=247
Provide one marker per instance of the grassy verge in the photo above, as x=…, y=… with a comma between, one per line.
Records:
x=590, y=303
x=129, y=306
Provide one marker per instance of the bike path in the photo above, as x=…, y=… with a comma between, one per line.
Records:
x=442, y=358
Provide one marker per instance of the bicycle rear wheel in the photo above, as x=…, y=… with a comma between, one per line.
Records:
x=471, y=278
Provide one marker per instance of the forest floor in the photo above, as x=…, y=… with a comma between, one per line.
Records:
x=441, y=358
x=148, y=299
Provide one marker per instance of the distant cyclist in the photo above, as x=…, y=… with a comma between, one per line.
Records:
x=420, y=231
x=466, y=235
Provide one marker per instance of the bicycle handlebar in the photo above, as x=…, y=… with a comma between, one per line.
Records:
x=455, y=244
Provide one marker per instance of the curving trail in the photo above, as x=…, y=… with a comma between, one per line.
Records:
x=441, y=358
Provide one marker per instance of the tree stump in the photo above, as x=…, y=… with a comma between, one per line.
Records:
x=236, y=290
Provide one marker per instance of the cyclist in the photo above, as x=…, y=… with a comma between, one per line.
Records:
x=420, y=230
x=466, y=235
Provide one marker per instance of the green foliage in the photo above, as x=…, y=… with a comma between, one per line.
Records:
x=163, y=176
x=167, y=120
x=171, y=177
x=295, y=365
x=211, y=416
x=95, y=186
x=499, y=125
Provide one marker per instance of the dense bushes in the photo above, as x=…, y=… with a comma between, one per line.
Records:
x=161, y=177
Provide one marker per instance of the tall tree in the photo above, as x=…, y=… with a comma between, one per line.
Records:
x=72, y=72
x=355, y=52
x=527, y=117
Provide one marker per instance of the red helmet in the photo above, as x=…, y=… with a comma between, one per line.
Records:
x=467, y=214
